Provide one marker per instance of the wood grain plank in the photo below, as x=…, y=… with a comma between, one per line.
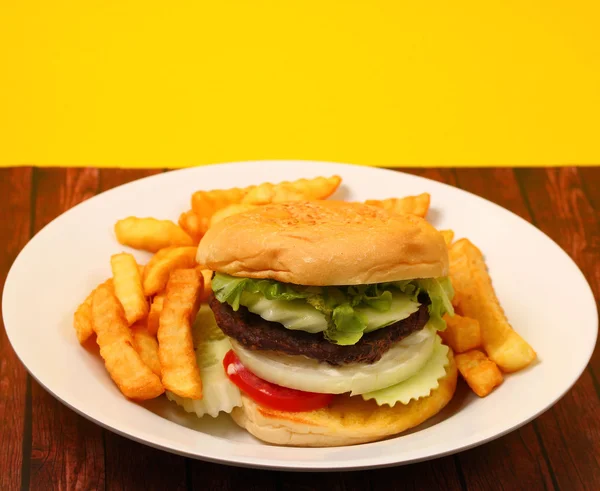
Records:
x=131, y=465
x=517, y=457
x=515, y=460
x=332, y=481
x=590, y=181
x=15, y=225
x=67, y=450
x=111, y=178
x=206, y=476
x=571, y=429
x=442, y=473
x=590, y=178
x=572, y=219
x=438, y=474
x=447, y=176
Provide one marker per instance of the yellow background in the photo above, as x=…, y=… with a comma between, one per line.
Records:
x=379, y=82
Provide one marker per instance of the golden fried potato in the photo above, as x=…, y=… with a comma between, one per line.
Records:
x=125, y=366
x=150, y=234
x=456, y=302
x=461, y=334
x=154, y=314
x=147, y=346
x=301, y=189
x=194, y=225
x=82, y=319
x=410, y=205
x=478, y=300
x=480, y=373
x=268, y=193
x=448, y=236
x=230, y=210
x=207, y=289
x=206, y=203
x=156, y=273
x=180, y=373
x=128, y=286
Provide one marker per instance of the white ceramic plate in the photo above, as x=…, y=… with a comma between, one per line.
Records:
x=70, y=256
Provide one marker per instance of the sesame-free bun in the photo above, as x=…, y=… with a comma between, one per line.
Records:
x=324, y=243
x=346, y=421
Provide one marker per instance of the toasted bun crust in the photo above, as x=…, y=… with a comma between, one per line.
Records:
x=324, y=243
x=347, y=421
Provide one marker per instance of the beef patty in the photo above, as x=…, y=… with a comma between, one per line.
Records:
x=256, y=333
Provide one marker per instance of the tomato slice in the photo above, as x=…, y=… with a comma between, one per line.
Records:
x=268, y=394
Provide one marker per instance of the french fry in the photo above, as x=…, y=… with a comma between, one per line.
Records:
x=128, y=286
x=158, y=269
x=461, y=334
x=82, y=319
x=478, y=300
x=178, y=363
x=456, y=302
x=301, y=189
x=207, y=289
x=206, y=203
x=150, y=234
x=154, y=314
x=193, y=224
x=125, y=366
x=229, y=211
x=480, y=373
x=147, y=346
x=267, y=193
x=448, y=236
x=409, y=205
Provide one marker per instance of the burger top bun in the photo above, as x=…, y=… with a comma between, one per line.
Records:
x=324, y=243
x=346, y=421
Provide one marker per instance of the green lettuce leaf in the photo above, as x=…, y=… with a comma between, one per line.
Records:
x=229, y=289
x=440, y=293
x=420, y=384
x=342, y=306
x=347, y=325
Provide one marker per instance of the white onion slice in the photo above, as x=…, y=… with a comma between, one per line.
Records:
x=399, y=363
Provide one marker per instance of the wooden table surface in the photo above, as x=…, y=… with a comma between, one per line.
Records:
x=45, y=445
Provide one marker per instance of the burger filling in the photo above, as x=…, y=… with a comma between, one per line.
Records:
x=343, y=314
x=332, y=340
x=255, y=333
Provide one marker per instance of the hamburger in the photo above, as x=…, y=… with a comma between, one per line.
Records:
x=332, y=310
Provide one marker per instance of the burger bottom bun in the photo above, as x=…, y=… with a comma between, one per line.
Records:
x=346, y=421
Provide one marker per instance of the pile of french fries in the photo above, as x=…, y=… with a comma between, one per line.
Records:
x=142, y=320
x=485, y=344
x=141, y=317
